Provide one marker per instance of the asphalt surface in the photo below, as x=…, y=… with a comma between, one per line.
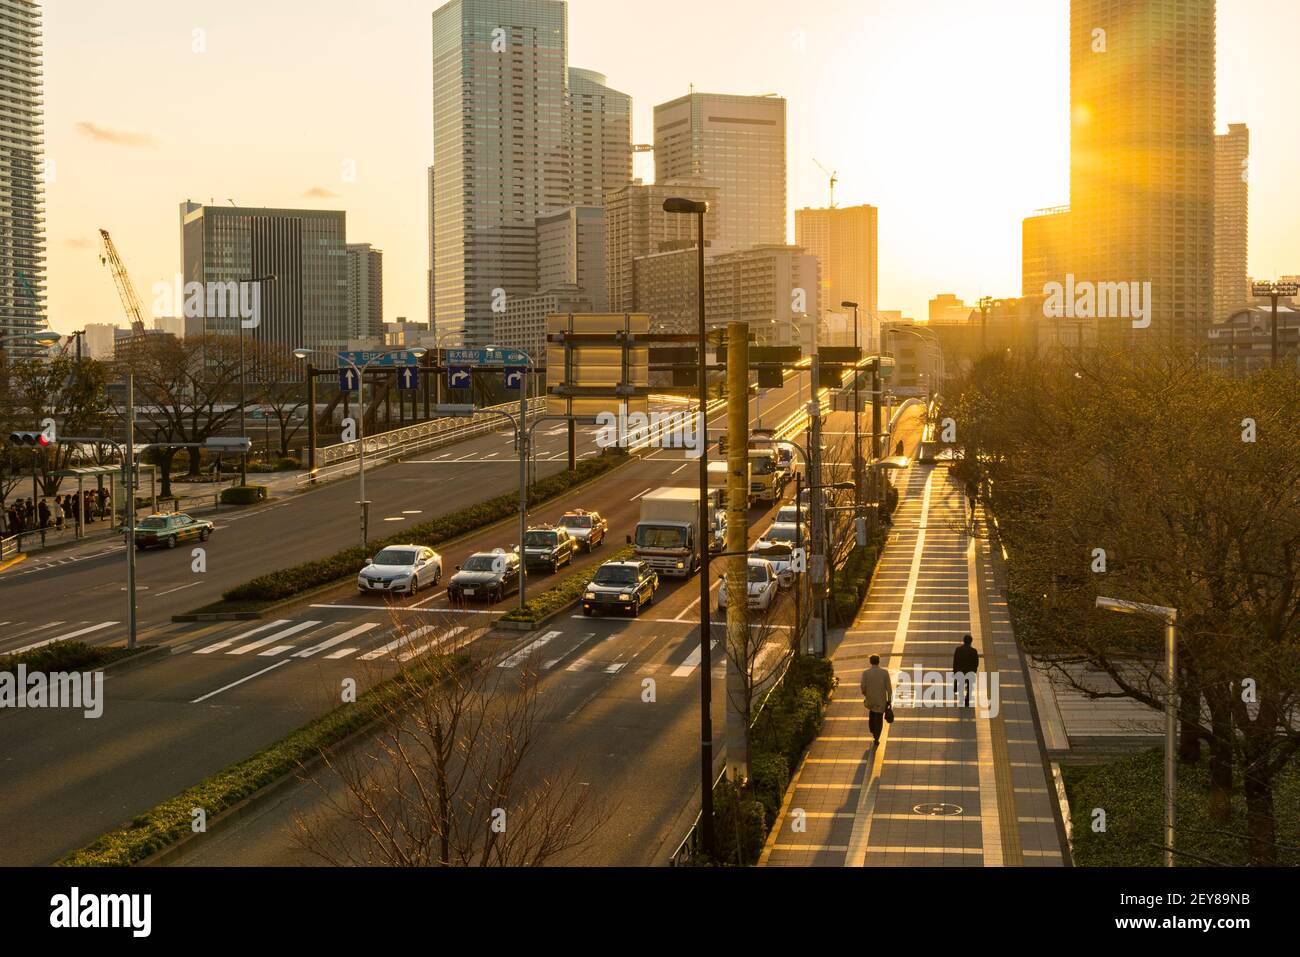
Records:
x=229, y=689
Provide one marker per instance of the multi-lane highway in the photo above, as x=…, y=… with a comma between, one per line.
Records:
x=228, y=689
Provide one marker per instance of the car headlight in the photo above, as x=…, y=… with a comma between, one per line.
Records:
x=624, y=597
x=681, y=564
x=591, y=596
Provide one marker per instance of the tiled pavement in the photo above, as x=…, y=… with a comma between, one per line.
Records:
x=948, y=786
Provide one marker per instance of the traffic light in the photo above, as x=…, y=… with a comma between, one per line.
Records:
x=30, y=439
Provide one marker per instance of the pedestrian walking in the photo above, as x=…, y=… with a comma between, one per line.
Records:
x=972, y=496
x=877, y=697
x=965, y=664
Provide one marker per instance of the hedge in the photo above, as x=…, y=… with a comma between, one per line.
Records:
x=66, y=656
x=243, y=495
x=788, y=722
x=852, y=581
x=172, y=820
x=564, y=594
x=288, y=582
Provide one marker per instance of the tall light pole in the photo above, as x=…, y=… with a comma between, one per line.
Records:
x=1275, y=291
x=243, y=430
x=698, y=209
x=986, y=304
x=857, y=409
x=418, y=352
x=522, y=441
x=1169, y=616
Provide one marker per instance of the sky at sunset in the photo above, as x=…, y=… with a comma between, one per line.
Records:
x=951, y=116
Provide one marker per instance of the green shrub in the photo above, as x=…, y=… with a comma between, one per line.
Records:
x=65, y=656
x=769, y=776
x=740, y=825
x=318, y=573
x=243, y=495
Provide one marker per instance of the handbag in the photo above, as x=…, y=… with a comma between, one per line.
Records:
x=889, y=714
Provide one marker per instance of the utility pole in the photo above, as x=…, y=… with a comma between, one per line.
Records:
x=876, y=487
x=128, y=463
x=738, y=634
x=817, y=557
x=1275, y=291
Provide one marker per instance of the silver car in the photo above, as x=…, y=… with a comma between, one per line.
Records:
x=401, y=569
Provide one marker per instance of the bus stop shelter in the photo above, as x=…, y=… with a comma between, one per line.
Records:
x=115, y=484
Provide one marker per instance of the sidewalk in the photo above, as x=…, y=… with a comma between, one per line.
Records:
x=948, y=786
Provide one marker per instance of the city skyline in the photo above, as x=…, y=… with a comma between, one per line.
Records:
x=950, y=215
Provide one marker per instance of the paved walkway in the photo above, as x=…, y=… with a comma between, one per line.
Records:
x=948, y=786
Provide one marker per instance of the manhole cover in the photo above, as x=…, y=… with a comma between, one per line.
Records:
x=938, y=810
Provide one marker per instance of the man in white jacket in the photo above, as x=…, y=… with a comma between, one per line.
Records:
x=877, y=693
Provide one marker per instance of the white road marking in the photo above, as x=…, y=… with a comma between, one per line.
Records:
x=263, y=642
x=176, y=589
x=67, y=637
x=526, y=652
x=693, y=660
x=337, y=640
x=437, y=642
x=235, y=684
x=641, y=493
x=343, y=653
x=273, y=652
x=218, y=646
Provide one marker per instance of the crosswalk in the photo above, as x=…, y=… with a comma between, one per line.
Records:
x=564, y=648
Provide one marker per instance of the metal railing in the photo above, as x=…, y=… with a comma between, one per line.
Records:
x=342, y=459
x=8, y=547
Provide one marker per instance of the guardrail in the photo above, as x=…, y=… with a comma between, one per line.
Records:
x=343, y=459
x=8, y=547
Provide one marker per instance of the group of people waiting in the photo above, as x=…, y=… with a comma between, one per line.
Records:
x=27, y=516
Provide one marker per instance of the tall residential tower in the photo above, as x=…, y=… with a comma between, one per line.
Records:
x=1231, y=219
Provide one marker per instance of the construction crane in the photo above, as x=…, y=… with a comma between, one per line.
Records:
x=130, y=300
x=834, y=179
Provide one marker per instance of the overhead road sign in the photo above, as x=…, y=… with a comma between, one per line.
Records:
x=408, y=378
x=486, y=357
x=459, y=377
x=377, y=360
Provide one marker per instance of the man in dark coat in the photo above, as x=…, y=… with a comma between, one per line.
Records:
x=965, y=663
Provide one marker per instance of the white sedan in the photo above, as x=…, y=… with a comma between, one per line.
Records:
x=762, y=586
x=400, y=568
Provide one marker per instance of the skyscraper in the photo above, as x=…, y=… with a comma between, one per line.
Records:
x=306, y=305
x=844, y=241
x=1142, y=159
x=1231, y=219
x=636, y=225
x=500, y=152
x=736, y=143
x=600, y=137
x=365, y=292
x=22, y=174
x=571, y=252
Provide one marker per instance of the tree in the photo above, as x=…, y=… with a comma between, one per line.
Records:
x=447, y=781
x=284, y=392
x=74, y=394
x=186, y=390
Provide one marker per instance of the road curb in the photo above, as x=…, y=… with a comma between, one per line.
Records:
x=11, y=562
x=144, y=656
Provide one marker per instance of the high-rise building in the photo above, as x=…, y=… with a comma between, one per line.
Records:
x=775, y=289
x=571, y=252
x=948, y=309
x=1142, y=159
x=523, y=324
x=1044, y=249
x=636, y=225
x=22, y=174
x=666, y=287
x=500, y=145
x=429, y=207
x=600, y=137
x=844, y=241
x=365, y=291
x=305, y=249
x=99, y=339
x=1231, y=219
x=736, y=143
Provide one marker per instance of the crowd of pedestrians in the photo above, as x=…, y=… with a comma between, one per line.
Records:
x=27, y=516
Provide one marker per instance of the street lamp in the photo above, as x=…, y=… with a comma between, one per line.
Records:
x=1275, y=291
x=243, y=430
x=678, y=204
x=857, y=429
x=1169, y=616
x=523, y=441
x=418, y=352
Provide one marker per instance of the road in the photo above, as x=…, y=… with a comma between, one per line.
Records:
x=229, y=689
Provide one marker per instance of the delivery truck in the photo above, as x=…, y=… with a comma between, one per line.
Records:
x=667, y=536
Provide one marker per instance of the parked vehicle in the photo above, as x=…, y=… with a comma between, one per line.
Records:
x=586, y=528
x=761, y=586
x=170, y=530
x=548, y=547
x=622, y=586
x=400, y=568
x=488, y=575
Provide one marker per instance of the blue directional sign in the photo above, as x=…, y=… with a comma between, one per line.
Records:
x=486, y=357
x=408, y=378
x=458, y=377
x=349, y=381
x=377, y=360
x=515, y=378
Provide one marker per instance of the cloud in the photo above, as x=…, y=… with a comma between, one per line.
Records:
x=319, y=192
x=103, y=134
